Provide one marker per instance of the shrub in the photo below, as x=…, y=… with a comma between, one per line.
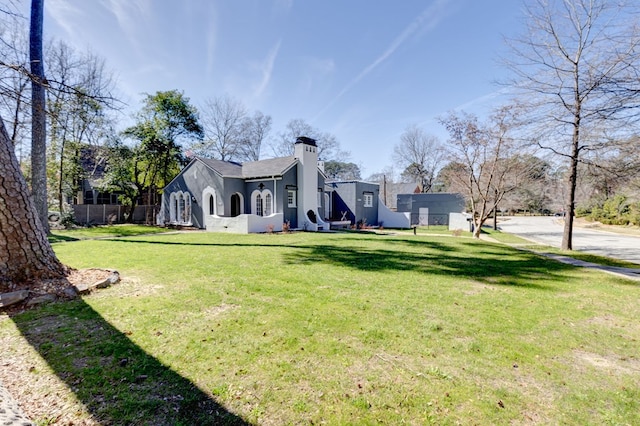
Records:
x=67, y=219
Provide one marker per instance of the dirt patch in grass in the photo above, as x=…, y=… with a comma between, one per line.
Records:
x=477, y=287
x=538, y=398
x=132, y=287
x=214, y=311
x=610, y=362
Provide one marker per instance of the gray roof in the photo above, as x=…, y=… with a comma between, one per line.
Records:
x=251, y=170
x=266, y=168
x=224, y=168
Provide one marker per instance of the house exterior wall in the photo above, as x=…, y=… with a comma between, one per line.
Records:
x=289, y=182
x=439, y=205
x=321, y=198
x=194, y=179
x=232, y=186
x=349, y=197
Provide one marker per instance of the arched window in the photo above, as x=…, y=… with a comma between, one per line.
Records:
x=258, y=205
x=267, y=204
x=212, y=204
x=186, y=215
x=180, y=208
x=262, y=202
x=173, y=208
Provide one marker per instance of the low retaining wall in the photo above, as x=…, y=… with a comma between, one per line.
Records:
x=245, y=223
x=391, y=219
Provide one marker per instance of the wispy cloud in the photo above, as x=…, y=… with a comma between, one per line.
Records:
x=64, y=14
x=266, y=69
x=130, y=16
x=482, y=101
x=429, y=19
x=211, y=40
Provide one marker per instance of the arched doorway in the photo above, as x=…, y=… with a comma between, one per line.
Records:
x=236, y=205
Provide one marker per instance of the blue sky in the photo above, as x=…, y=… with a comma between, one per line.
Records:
x=362, y=70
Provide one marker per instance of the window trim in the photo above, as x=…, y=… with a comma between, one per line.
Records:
x=367, y=199
x=292, y=198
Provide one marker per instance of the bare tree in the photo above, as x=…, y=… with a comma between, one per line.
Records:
x=328, y=145
x=254, y=131
x=80, y=94
x=388, y=185
x=420, y=155
x=14, y=84
x=577, y=70
x=222, y=119
x=485, y=165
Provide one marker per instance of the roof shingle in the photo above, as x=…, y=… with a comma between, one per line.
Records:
x=252, y=169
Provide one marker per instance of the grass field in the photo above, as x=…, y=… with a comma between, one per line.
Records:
x=351, y=328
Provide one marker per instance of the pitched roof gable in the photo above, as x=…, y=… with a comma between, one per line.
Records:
x=252, y=169
x=223, y=168
x=267, y=168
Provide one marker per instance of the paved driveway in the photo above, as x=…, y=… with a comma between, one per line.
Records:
x=548, y=230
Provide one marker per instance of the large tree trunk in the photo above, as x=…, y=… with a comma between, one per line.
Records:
x=38, y=115
x=25, y=252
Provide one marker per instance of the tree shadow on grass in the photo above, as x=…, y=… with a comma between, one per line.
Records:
x=491, y=264
x=117, y=381
x=484, y=262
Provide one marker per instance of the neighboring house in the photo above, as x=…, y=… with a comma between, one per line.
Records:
x=389, y=191
x=431, y=208
x=92, y=170
x=91, y=206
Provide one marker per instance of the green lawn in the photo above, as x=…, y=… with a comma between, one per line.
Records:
x=349, y=328
x=83, y=233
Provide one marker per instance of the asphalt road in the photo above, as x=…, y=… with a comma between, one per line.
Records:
x=548, y=230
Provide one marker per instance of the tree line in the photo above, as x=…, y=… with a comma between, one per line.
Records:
x=572, y=121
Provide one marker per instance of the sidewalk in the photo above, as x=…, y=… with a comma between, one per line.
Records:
x=10, y=412
x=630, y=273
